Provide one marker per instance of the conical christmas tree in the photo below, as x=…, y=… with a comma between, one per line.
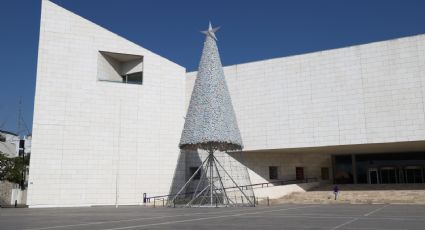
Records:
x=210, y=121
x=211, y=125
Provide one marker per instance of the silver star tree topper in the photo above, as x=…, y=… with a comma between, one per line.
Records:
x=211, y=31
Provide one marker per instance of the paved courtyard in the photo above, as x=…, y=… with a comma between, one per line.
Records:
x=276, y=217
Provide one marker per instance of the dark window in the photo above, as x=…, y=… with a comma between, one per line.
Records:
x=299, y=173
x=343, y=169
x=21, y=144
x=273, y=172
x=325, y=173
x=198, y=174
x=133, y=78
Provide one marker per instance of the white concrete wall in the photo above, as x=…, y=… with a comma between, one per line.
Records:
x=107, y=69
x=132, y=67
x=275, y=192
x=258, y=164
x=99, y=142
x=18, y=195
x=372, y=93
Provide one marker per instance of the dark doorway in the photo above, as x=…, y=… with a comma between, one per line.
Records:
x=373, y=176
x=325, y=173
x=299, y=172
x=273, y=172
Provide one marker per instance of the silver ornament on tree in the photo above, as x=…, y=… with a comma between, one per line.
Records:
x=211, y=125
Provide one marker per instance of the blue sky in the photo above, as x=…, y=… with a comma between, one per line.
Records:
x=251, y=30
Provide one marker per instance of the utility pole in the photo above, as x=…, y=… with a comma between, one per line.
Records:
x=21, y=144
x=24, y=167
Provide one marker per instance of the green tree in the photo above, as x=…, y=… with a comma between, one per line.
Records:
x=11, y=169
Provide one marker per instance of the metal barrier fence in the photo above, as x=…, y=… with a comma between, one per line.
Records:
x=162, y=202
x=165, y=200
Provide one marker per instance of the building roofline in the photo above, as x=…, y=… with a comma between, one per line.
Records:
x=321, y=51
x=109, y=30
x=8, y=132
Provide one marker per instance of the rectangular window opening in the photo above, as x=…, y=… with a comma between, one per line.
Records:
x=193, y=170
x=120, y=67
x=325, y=173
x=273, y=172
x=134, y=78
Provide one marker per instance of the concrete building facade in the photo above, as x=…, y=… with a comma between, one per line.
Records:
x=97, y=137
x=298, y=111
x=108, y=115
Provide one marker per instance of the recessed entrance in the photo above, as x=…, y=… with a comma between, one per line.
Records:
x=392, y=168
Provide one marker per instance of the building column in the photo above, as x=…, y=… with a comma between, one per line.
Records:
x=333, y=168
x=354, y=168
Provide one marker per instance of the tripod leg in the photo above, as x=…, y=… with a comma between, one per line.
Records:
x=249, y=200
x=211, y=162
x=195, y=194
x=222, y=186
x=190, y=179
x=200, y=193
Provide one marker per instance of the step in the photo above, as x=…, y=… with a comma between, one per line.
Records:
x=360, y=194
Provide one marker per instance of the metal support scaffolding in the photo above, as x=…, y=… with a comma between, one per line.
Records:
x=213, y=192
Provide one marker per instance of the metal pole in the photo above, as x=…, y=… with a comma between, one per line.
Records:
x=211, y=177
x=190, y=179
x=203, y=197
x=22, y=152
x=221, y=183
x=200, y=193
x=196, y=194
x=203, y=175
x=233, y=180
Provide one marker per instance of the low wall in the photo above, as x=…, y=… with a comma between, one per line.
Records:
x=275, y=192
x=5, y=193
x=10, y=192
x=18, y=195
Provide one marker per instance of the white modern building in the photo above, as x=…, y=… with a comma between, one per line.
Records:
x=109, y=114
x=11, y=143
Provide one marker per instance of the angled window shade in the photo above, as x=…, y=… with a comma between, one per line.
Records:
x=119, y=67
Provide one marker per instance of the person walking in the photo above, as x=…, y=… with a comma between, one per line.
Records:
x=336, y=191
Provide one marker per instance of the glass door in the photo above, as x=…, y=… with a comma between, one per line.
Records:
x=388, y=175
x=373, y=176
x=414, y=174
